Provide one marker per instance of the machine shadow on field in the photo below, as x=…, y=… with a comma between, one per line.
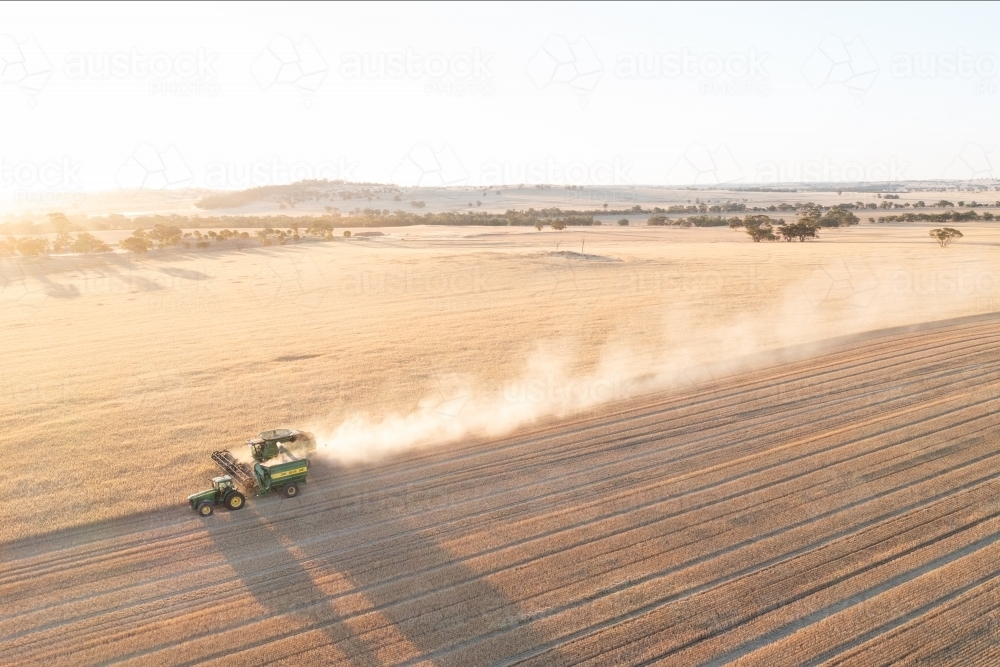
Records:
x=276, y=578
x=394, y=595
x=82, y=535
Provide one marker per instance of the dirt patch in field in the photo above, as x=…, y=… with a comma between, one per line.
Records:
x=568, y=254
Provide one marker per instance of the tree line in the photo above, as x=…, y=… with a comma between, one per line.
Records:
x=64, y=241
x=764, y=228
x=946, y=216
x=383, y=217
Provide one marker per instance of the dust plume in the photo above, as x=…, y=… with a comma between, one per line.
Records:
x=836, y=297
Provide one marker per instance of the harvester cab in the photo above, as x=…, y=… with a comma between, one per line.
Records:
x=223, y=492
x=270, y=444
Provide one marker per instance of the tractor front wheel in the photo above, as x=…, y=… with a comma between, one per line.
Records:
x=205, y=508
x=290, y=491
x=235, y=500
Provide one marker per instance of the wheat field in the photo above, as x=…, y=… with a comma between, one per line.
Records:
x=643, y=445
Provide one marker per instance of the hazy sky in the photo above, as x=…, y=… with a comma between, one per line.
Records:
x=98, y=97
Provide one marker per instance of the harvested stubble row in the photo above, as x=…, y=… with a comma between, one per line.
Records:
x=841, y=509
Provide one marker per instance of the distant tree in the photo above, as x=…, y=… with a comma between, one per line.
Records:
x=758, y=234
x=63, y=241
x=59, y=221
x=538, y=225
x=202, y=244
x=135, y=245
x=756, y=220
x=837, y=217
x=32, y=247
x=623, y=222
x=165, y=236
x=799, y=231
x=758, y=228
x=347, y=234
x=417, y=204
x=945, y=235
x=320, y=227
x=558, y=225
x=85, y=243
x=810, y=214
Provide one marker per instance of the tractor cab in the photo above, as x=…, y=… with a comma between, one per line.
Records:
x=222, y=486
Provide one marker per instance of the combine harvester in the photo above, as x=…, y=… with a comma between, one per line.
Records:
x=260, y=477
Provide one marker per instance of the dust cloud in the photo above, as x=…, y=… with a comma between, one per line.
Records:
x=837, y=297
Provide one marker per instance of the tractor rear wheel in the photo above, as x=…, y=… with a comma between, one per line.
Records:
x=290, y=491
x=205, y=508
x=235, y=500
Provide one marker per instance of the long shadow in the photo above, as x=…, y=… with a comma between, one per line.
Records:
x=263, y=560
x=183, y=273
x=425, y=617
x=100, y=272
x=57, y=290
x=87, y=533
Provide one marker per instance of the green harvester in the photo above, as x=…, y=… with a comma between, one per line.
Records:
x=260, y=477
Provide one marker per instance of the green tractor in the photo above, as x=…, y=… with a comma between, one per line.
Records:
x=222, y=493
x=261, y=476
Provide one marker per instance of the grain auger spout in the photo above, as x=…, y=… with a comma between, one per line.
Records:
x=241, y=472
